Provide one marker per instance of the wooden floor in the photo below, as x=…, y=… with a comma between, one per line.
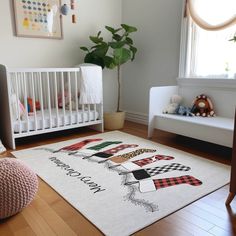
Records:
x=49, y=214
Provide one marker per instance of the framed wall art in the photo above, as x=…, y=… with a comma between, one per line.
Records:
x=38, y=18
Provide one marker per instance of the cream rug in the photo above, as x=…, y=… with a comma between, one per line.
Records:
x=122, y=183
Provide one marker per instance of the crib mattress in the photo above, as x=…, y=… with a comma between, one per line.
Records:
x=56, y=121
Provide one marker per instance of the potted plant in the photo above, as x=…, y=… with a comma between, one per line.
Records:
x=112, y=54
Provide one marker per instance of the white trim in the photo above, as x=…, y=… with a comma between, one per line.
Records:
x=138, y=117
x=229, y=84
x=183, y=42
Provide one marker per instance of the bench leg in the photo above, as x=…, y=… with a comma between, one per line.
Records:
x=230, y=198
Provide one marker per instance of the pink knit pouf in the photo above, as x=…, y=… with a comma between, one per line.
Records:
x=18, y=186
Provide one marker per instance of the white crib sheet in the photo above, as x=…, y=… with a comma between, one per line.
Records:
x=56, y=122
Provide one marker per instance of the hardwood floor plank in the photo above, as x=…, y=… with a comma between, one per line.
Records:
x=215, y=220
x=5, y=230
x=27, y=231
x=217, y=231
x=36, y=221
x=187, y=226
x=52, y=218
x=195, y=220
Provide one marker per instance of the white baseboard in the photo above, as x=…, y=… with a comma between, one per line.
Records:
x=137, y=117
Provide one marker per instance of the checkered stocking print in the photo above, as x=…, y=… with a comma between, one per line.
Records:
x=167, y=182
x=103, y=145
x=149, y=160
x=79, y=145
x=149, y=172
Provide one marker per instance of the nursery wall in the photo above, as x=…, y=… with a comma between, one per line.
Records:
x=92, y=16
x=157, y=61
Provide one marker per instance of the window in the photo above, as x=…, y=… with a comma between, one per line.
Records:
x=209, y=53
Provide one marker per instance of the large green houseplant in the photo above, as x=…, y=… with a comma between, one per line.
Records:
x=112, y=54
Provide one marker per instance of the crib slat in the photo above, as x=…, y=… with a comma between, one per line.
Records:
x=89, y=110
x=49, y=100
x=25, y=100
x=69, y=91
x=41, y=99
x=83, y=111
x=56, y=98
x=63, y=98
x=34, y=100
x=76, y=98
x=18, y=115
x=95, y=111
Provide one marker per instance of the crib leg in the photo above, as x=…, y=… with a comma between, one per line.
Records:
x=98, y=127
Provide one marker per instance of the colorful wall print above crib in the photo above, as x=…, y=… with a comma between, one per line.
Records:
x=38, y=18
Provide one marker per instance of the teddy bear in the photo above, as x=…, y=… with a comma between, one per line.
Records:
x=202, y=106
x=175, y=101
x=184, y=111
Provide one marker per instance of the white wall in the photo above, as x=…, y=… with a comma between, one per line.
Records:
x=93, y=15
x=157, y=61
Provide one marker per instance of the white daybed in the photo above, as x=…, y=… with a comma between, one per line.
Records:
x=47, y=86
x=218, y=130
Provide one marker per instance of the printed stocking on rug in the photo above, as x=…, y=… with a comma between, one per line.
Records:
x=155, y=184
x=133, y=165
x=110, y=152
x=75, y=147
x=129, y=155
x=88, y=152
x=149, y=172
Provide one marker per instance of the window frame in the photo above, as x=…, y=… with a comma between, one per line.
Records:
x=185, y=53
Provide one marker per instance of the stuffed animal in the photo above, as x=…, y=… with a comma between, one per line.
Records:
x=202, y=106
x=175, y=101
x=184, y=111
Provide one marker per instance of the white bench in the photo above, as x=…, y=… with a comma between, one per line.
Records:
x=218, y=130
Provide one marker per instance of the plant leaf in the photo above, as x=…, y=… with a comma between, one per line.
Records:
x=96, y=39
x=109, y=62
x=129, y=41
x=94, y=59
x=121, y=55
x=84, y=49
x=119, y=44
x=112, y=30
x=128, y=28
x=133, y=50
x=101, y=50
x=117, y=37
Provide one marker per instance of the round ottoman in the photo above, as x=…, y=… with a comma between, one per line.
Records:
x=18, y=186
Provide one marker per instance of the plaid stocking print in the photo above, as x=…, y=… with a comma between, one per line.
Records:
x=185, y=179
x=149, y=160
x=149, y=185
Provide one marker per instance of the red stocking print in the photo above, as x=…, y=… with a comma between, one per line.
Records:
x=155, y=184
x=77, y=146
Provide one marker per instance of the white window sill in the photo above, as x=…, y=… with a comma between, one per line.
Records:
x=208, y=82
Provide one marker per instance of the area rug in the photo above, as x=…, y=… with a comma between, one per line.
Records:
x=123, y=183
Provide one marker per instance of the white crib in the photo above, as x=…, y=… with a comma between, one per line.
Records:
x=30, y=103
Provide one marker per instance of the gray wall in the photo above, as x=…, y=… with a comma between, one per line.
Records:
x=158, y=42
